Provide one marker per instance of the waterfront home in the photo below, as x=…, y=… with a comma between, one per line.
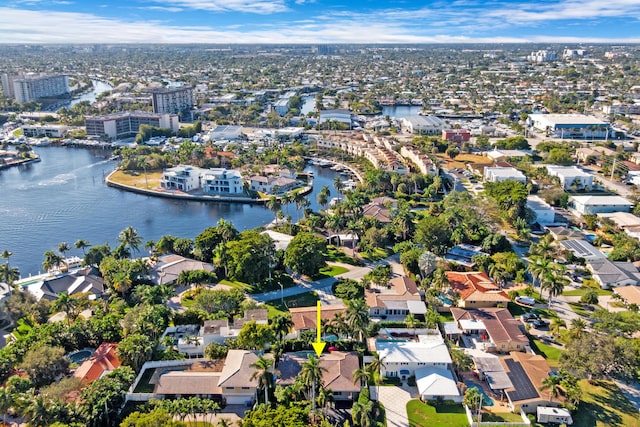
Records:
x=272, y=184
x=182, y=178
x=210, y=181
x=304, y=318
x=86, y=281
x=168, y=268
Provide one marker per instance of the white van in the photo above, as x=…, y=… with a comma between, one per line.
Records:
x=526, y=301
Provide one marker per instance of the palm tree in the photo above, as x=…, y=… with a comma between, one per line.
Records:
x=323, y=197
x=338, y=324
x=556, y=325
x=63, y=248
x=578, y=327
x=6, y=400
x=375, y=366
x=363, y=376
x=273, y=204
x=551, y=383
x=362, y=414
x=68, y=304
x=281, y=325
x=129, y=237
x=51, y=260
x=264, y=375
x=325, y=398
x=462, y=362
x=357, y=318
x=411, y=322
x=82, y=244
x=311, y=377
x=338, y=184
x=298, y=199
x=6, y=255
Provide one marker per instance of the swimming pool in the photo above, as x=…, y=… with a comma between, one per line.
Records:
x=486, y=400
x=80, y=355
x=444, y=299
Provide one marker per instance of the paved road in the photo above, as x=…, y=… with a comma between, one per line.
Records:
x=618, y=187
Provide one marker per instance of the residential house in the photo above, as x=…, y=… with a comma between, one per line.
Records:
x=584, y=205
x=526, y=372
x=102, y=362
x=571, y=177
x=545, y=214
x=456, y=135
x=230, y=381
x=565, y=233
x=272, y=184
x=476, y=289
x=337, y=372
x=500, y=154
x=168, y=268
x=86, y=281
x=499, y=174
x=594, y=154
x=630, y=294
x=494, y=328
x=611, y=274
x=392, y=300
x=582, y=249
x=181, y=178
x=463, y=254
x=625, y=221
x=403, y=358
x=304, y=318
x=380, y=208
x=437, y=383
x=222, y=181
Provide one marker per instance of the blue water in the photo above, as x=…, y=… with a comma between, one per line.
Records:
x=444, y=299
x=486, y=400
x=80, y=356
x=63, y=199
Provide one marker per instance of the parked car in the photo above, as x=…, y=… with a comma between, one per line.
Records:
x=540, y=324
x=547, y=338
x=530, y=317
x=525, y=300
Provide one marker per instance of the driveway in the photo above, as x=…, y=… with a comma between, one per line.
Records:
x=395, y=399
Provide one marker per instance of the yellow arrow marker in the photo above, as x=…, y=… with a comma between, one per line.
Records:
x=318, y=346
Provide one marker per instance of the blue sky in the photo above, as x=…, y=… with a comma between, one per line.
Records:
x=318, y=21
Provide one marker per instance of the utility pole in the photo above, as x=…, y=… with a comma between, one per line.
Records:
x=613, y=168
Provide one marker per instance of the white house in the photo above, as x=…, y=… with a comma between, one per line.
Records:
x=599, y=204
x=545, y=214
x=222, y=181
x=499, y=174
x=611, y=274
x=582, y=249
x=434, y=383
x=182, y=177
x=571, y=177
x=402, y=359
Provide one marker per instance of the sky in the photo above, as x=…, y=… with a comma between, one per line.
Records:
x=319, y=21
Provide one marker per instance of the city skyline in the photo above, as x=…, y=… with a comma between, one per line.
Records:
x=318, y=21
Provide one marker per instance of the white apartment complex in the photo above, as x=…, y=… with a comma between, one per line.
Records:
x=121, y=125
x=172, y=100
x=25, y=88
x=421, y=160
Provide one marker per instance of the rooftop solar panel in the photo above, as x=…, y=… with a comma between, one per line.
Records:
x=523, y=388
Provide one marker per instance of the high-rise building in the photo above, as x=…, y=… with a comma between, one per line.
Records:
x=29, y=87
x=172, y=100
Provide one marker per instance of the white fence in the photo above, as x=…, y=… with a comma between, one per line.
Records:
x=525, y=421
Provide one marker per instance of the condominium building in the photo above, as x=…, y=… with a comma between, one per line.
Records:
x=172, y=100
x=421, y=160
x=122, y=125
x=25, y=88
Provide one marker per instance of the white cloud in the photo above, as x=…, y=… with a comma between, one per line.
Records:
x=248, y=6
x=26, y=26
x=162, y=8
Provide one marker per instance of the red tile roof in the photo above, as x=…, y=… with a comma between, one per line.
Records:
x=475, y=286
x=103, y=359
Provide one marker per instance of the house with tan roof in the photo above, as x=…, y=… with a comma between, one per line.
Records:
x=476, y=289
x=630, y=294
x=103, y=361
x=337, y=372
x=168, y=268
x=398, y=299
x=527, y=372
x=380, y=208
x=494, y=328
x=304, y=318
x=230, y=381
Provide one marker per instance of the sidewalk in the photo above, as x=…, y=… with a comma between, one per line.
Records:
x=395, y=399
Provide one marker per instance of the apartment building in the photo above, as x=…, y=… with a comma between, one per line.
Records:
x=421, y=160
x=172, y=100
x=122, y=125
x=25, y=88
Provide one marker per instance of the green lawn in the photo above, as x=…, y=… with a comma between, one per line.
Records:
x=603, y=404
x=581, y=310
x=551, y=353
x=502, y=417
x=337, y=255
x=238, y=285
x=420, y=415
x=330, y=271
x=581, y=291
x=377, y=255
x=307, y=299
